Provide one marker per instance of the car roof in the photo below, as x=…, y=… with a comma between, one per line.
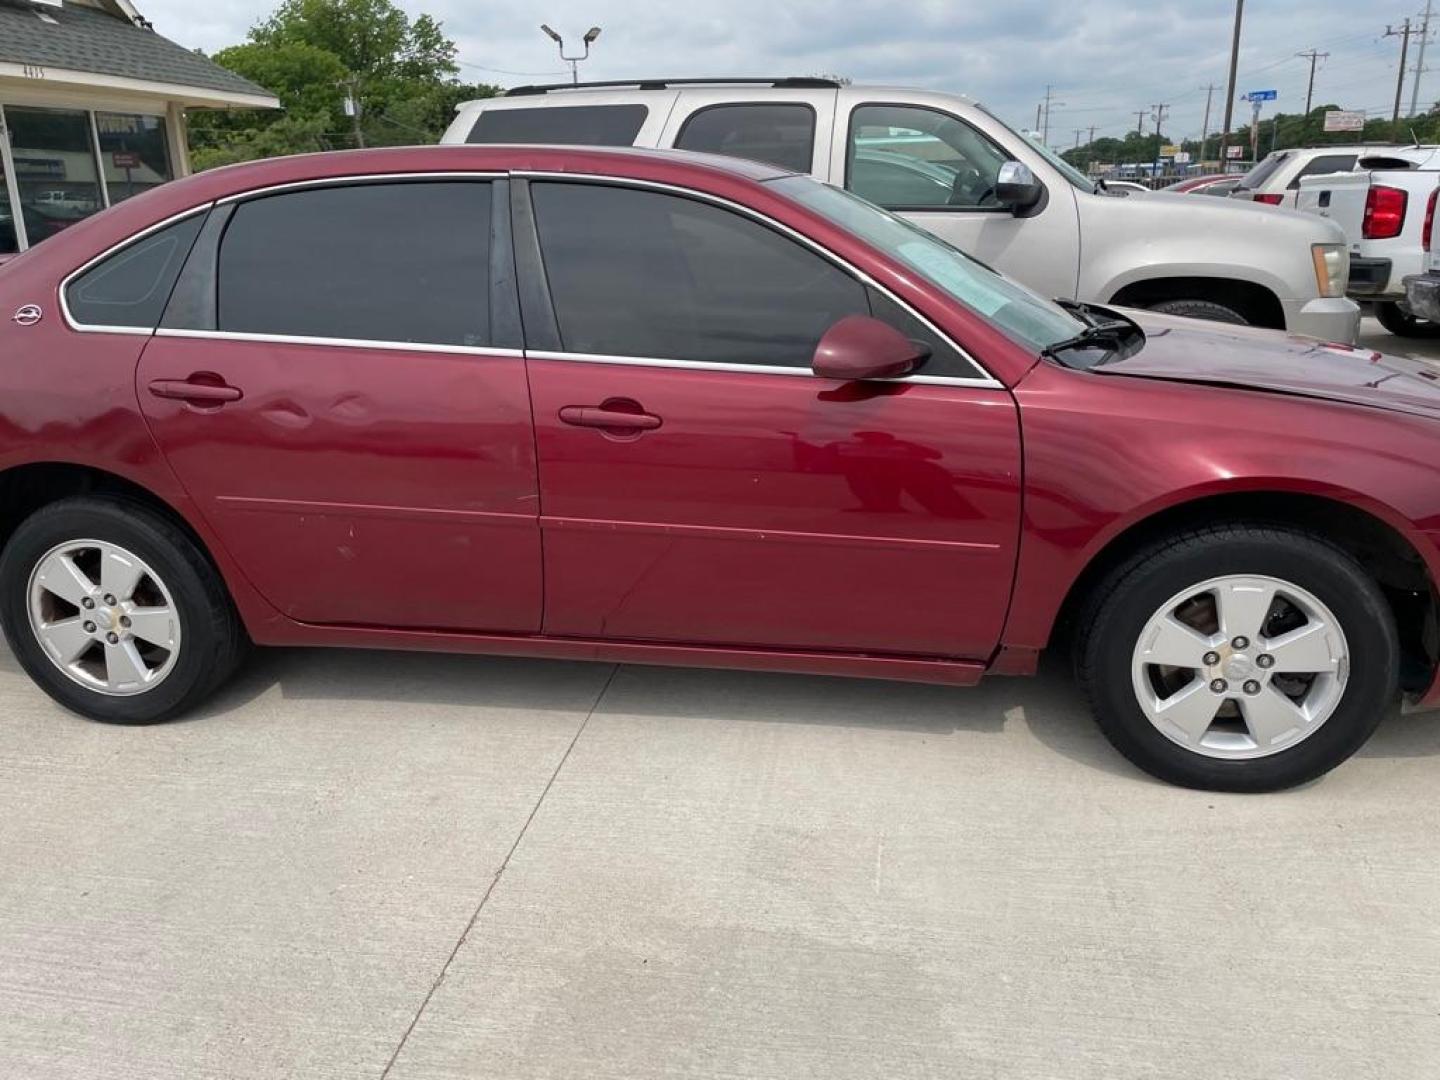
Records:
x=644, y=90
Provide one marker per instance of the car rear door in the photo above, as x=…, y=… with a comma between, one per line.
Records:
x=339, y=384
x=700, y=485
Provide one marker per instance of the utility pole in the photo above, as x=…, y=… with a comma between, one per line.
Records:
x=1045, y=125
x=1205, y=127
x=1159, y=115
x=1230, y=83
x=1140, y=122
x=1404, y=35
x=351, y=86
x=1420, y=59
x=1312, y=56
x=1038, y=107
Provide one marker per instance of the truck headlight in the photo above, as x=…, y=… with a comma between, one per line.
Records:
x=1332, y=268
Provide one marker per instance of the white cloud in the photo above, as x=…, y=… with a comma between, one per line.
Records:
x=1105, y=58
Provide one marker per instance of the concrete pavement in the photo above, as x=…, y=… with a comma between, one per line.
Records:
x=704, y=874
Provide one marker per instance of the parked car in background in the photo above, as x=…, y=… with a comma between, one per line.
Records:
x=1275, y=179
x=686, y=409
x=1124, y=187
x=1387, y=215
x=1217, y=184
x=1010, y=201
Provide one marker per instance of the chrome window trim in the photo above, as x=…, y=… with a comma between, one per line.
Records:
x=343, y=343
x=97, y=328
x=363, y=178
x=753, y=369
x=983, y=379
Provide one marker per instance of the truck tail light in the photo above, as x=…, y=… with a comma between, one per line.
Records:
x=1429, y=219
x=1274, y=199
x=1384, y=212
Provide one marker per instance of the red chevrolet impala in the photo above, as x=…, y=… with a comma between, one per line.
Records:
x=673, y=409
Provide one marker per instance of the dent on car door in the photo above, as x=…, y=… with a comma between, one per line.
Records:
x=700, y=485
x=349, y=408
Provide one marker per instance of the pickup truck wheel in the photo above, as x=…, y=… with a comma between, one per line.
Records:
x=1200, y=309
x=1239, y=658
x=1402, y=324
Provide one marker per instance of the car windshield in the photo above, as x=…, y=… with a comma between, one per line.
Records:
x=1034, y=322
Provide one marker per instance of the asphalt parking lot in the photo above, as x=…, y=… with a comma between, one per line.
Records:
x=406, y=866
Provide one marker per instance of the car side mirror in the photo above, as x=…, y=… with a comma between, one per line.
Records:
x=1016, y=187
x=861, y=347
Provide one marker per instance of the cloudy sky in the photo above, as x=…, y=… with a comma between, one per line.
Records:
x=1105, y=58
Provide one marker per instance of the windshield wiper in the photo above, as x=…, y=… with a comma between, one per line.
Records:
x=1098, y=335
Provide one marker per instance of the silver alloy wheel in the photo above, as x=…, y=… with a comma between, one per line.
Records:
x=1240, y=666
x=104, y=617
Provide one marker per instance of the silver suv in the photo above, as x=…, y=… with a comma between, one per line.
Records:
x=951, y=166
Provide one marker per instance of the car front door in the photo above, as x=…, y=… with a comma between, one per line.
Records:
x=940, y=171
x=338, y=383
x=700, y=485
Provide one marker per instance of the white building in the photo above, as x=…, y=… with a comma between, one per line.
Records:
x=92, y=110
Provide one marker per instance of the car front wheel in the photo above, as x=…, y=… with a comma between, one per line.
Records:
x=115, y=612
x=1239, y=658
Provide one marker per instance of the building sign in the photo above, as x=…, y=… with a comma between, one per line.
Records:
x=1169, y=151
x=1341, y=120
x=125, y=159
x=1234, y=151
x=1182, y=157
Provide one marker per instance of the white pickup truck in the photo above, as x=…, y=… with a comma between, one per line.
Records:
x=1387, y=214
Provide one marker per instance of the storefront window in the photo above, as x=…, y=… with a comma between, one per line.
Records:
x=133, y=152
x=54, y=168
x=9, y=241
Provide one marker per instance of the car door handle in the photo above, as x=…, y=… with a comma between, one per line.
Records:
x=195, y=392
x=597, y=417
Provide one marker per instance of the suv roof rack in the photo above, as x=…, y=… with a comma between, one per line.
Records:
x=806, y=82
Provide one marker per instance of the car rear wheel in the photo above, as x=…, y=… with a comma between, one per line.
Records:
x=1239, y=658
x=1201, y=309
x=1403, y=324
x=115, y=612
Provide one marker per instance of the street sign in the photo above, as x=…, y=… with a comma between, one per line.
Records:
x=1234, y=151
x=1261, y=95
x=1343, y=120
x=125, y=159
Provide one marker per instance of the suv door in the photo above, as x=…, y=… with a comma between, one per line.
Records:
x=788, y=128
x=939, y=170
x=338, y=383
x=700, y=485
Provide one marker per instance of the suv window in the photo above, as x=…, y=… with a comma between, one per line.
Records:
x=562, y=125
x=130, y=287
x=1326, y=163
x=397, y=262
x=905, y=157
x=644, y=274
x=1256, y=177
x=780, y=135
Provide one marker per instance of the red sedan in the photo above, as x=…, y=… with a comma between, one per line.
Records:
x=673, y=409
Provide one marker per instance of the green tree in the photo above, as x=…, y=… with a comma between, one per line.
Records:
x=312, y=54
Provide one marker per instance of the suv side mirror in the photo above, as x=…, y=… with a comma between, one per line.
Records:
x=861, y=347
x=1016, y=186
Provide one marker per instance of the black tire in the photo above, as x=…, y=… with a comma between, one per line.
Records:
x=213, y=641
x=1122, y=604
x=1200, y=309
x=1402, y=324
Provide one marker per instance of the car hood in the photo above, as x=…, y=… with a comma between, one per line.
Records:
x=1186, y=350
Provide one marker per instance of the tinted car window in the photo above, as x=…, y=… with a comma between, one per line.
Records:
x=1327, y=163
x=907, y=156
x=130, y=287
x=780, y=135
x=378, y=262
x=638, y=273
x=563, y=125
x=1263, y=170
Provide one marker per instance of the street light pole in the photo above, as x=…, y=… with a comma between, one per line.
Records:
x=573, y=61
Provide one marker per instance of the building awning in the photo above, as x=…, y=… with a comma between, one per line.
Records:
x=75, y=46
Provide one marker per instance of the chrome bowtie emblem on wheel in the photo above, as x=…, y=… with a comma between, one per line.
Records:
x=28, y=315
